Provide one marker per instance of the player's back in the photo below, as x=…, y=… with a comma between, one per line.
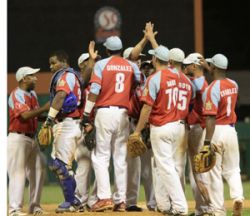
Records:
x=164, y=84
x=116, y=76
x=220, y=99
x=195, y=116
x=186, y=93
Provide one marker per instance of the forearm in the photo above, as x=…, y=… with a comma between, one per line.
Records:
x=32, y=113
x=86, y=74
x=144, y=116
x=56, y=105
x=154, y=43
x=210, y=126
x=138, y=49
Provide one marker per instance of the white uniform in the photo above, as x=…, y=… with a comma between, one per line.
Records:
x=114, y=77
x=24, y=157
x=220, y=101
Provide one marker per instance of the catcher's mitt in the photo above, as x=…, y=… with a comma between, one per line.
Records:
x=136, y=147
x=90, y=139
x=44, y=137
x=205, y=159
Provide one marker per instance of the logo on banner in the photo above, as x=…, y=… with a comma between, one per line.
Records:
x=107, y=23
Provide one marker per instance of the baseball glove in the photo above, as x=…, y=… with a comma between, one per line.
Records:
x=44, y=137
x=136, y=147
x=90, y=139
x=205, y=159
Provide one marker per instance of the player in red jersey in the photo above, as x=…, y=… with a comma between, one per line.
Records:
x=160, y=110
x=219, y=108
x=23, y=152
x=111, y=84
x=199, y=182
x=65, y=114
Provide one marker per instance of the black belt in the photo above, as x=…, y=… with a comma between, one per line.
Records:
x=25, y=134
x=119, y=107
x=62, y=119
x=182, y=122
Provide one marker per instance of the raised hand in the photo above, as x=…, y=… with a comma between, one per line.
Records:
x=92, y=53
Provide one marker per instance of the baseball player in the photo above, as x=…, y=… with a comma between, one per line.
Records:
x=24, y=159
x=139, y=167
x=66, y=82
x=200, y=183
x=160, y=109
x=219, y=107
x=111, y=83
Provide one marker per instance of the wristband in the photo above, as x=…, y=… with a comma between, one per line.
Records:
x=89, y=106
x=52, y=112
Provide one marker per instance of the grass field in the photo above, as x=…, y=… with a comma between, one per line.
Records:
x=52, y=194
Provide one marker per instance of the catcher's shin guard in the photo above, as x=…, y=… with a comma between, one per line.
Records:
x=66, y=178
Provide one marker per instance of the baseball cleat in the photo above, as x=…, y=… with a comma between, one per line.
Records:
x=121, y=207
x=134, y=208
x=17, y=213
x=65, y=207
x=102, y=205
x=237, y=208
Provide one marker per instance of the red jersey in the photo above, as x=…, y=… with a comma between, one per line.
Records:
x=220, y=99
x=161, y=93
x=68, y=82
x=135, y=103
x=21, y=101
x=114, y=77
x=196, y=116
x=186, y=93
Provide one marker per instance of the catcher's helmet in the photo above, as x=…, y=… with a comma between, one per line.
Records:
x=70, y=103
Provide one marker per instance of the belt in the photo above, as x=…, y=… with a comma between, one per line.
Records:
x=62, y=119
x=231, y=125
x=25, y=134
x=119, y=107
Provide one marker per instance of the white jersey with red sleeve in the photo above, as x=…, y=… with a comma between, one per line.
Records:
x=112, y=81
x=68, y=82
x=195, y=116
x=220, y=100
x=19, y=102
x=161, y=93
x=186, y=93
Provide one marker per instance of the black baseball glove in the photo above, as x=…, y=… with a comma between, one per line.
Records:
x=90, y=139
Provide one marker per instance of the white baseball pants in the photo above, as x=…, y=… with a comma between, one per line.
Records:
x=163, y=141
x=112, y=130
x=24, y=160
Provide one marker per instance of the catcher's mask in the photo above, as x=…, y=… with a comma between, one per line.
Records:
x=70, y=103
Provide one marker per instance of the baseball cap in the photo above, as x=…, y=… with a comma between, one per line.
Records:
x=193, y=58
x=83, y=58
x=161, y=52
x=176, y=54
x=128, y=51
x=24, y=71
x=219, y=61
x=113, y=43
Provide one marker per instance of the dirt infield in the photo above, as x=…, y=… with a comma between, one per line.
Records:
x=50, y=208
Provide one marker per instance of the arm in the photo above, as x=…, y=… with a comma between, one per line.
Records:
x=138, y=49
x=34, y=113
x=55, y=107
x=210, y=126
x=86, y=74
x=144, y=116
x=150, y=34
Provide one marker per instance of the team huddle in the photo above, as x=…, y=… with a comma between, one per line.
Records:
x=106, y=110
